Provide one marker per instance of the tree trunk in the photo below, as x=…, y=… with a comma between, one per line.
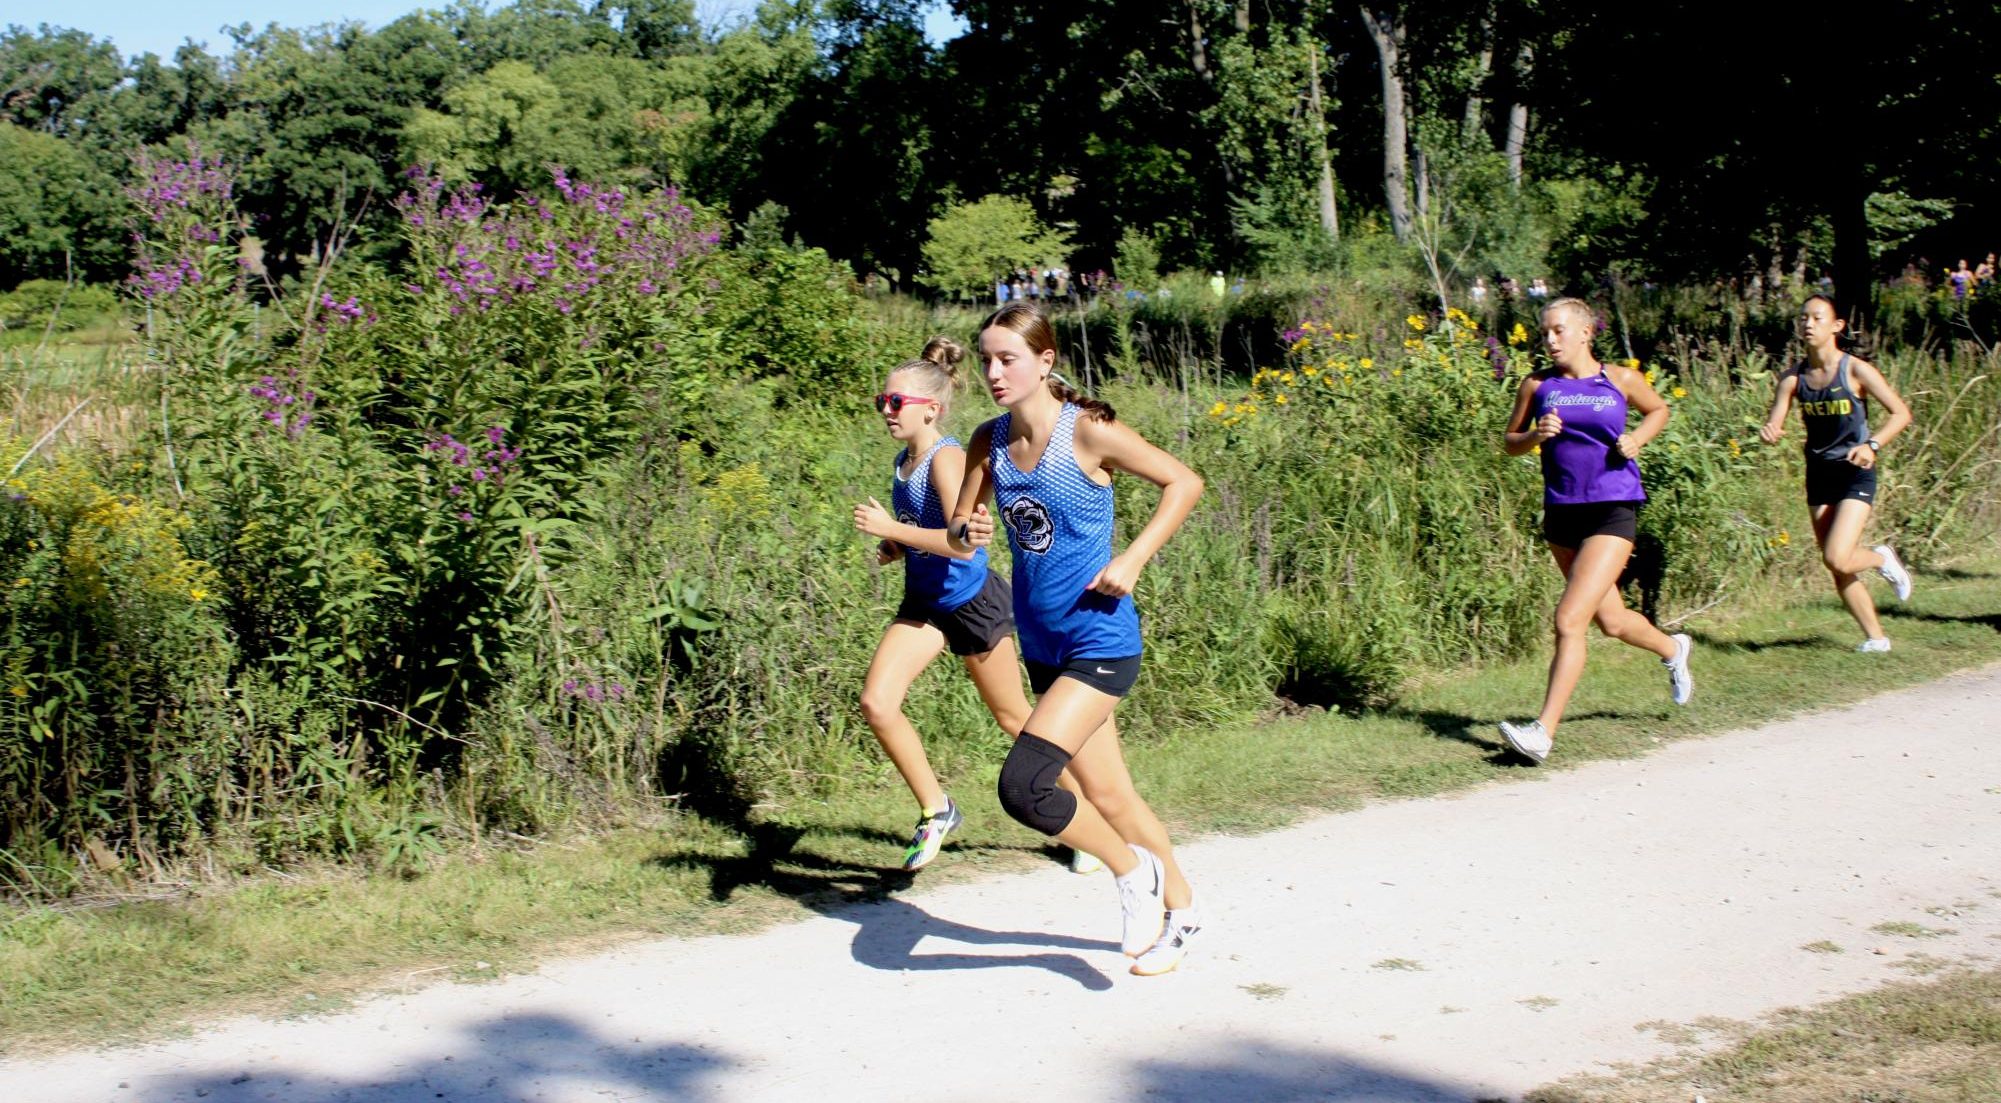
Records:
x=1386, y=28
x=1854, y=283
x=1243, y=16
x=1484, y=65
x=1518, y=117
x=1330, y=215
x=1199, y=52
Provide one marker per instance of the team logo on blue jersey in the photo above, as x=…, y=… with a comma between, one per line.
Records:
x=1028, y=519
x=904, y=516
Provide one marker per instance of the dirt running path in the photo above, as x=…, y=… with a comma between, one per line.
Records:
x=1459, y=948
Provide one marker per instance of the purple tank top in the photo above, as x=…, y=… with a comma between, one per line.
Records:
x=1582, y=463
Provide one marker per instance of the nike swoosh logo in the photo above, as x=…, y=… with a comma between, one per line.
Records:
x=1102, y=670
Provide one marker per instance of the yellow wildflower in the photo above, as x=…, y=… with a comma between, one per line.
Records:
x=19, y=691
x=1285, y=378
x=1679, y=392
x=1518, y=335
x=1415, y=322
x=1632, y=362
x=1650, y=375
x=1412, y=343
x=1735, y=449
x=198, y=593
x=1280, y=400
x=1367, y=363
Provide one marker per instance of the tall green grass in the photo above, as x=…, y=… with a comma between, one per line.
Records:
x=278, y=646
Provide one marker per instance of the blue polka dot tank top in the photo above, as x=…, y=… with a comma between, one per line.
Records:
x=1059, y=524
x=945, y=583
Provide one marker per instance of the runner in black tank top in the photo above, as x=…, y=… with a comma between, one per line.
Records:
x=1833, y=390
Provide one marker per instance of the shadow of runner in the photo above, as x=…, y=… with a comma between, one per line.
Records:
x=1754, y=646
x=888, y=931
x=775, y=861
x=1283, y=1074
x=509, y=1057
x=1990, y=620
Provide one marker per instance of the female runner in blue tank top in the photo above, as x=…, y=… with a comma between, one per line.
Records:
x=1833, y=389
x=1049, y=462
x=1574, y=412
x=949, y=601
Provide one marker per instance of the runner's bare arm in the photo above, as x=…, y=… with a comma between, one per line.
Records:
x=1114, y=446
x=1782, y=402
x=1879, y=390
x=969, y=526
x=1640, y=395
x=1522, y=435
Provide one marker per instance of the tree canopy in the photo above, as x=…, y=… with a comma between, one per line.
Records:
x=1497, y=137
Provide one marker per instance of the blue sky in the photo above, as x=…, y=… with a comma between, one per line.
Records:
x=159, y=26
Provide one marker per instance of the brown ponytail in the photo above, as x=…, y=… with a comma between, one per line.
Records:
x=1025, y=317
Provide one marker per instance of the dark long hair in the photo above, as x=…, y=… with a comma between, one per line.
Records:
x=1026, y=318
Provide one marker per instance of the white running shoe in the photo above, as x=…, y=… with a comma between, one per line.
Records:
x=1894, y=572
x=1140, y=903
x=1873, y=647
x=1681, y=684
x=1165, y=955
x=1529, y=740
x=1083, y=861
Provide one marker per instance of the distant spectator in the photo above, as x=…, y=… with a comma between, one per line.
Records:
x=1217, y=285
x=1983, y=274
x=1000, y=291
x=1961, y=279
x=1478, y=292
x=1538, y=290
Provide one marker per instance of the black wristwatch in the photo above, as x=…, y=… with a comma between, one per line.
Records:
x=1874, y=444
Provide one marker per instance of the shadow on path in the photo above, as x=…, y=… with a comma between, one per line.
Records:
x=509, y=1057
x=888, y=931
x=1280, y=1074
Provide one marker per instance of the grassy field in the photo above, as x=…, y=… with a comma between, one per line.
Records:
x=1929, y=1041
x=157, y=958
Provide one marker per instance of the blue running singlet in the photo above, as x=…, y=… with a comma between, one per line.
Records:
x=941, y=581
x=1059, y=524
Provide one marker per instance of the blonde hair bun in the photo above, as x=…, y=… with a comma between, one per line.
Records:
x=946, y=353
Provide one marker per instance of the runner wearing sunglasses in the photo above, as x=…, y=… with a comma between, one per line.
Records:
x=950, y=598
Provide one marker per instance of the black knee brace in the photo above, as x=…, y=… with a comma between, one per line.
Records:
x=1028, y=787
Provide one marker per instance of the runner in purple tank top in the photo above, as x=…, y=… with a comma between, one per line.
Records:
x=1574, y=414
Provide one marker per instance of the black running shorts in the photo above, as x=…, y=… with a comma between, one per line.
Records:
x=1569, y=526
x=1831, y=481
x=1110, y=676
x=974, y=628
